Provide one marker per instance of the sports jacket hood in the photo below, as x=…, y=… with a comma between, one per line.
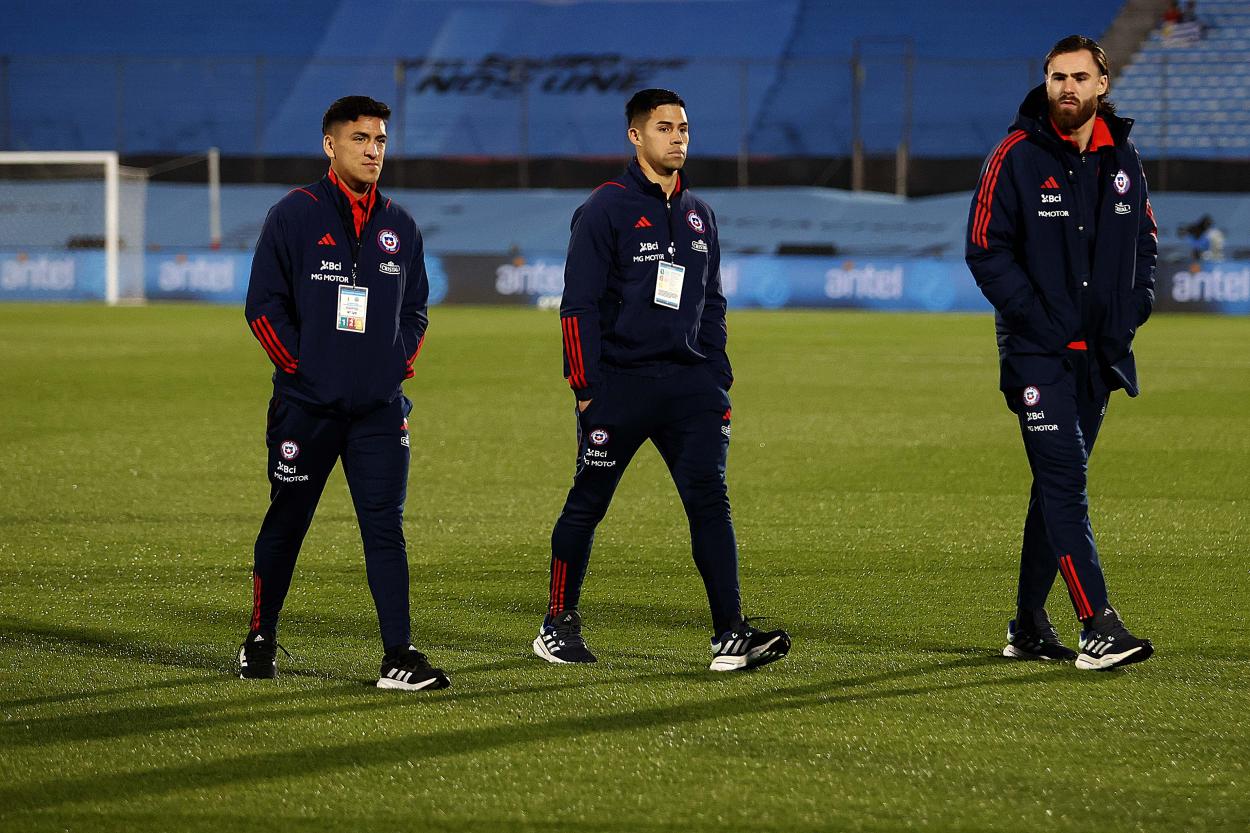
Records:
x=1033, y=117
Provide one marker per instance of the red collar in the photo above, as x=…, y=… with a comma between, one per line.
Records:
x=362, y=207
x=1100, y=138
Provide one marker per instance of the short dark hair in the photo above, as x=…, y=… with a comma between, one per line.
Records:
x=644, y=101
x=350, y=108
x=1080, y=43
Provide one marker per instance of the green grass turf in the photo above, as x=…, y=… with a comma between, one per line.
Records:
x=878, y=487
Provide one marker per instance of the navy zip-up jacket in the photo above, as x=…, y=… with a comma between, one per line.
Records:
x=1063, y=243
x=608, y=312
x=308, y=248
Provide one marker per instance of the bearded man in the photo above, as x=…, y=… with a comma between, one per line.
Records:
x=1062, y=241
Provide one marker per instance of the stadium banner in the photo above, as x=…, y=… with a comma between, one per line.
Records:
x=1220, y=287
x=537, y=279
x=218, y=277
x=51, y=275
x=750, y=281
x=221, y=277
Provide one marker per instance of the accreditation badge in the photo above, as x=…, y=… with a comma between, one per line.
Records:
x=353, y=304
x=668, y=281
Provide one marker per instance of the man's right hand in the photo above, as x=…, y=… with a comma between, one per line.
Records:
x=583, y=404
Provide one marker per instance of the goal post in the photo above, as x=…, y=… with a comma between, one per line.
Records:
x=53, y=205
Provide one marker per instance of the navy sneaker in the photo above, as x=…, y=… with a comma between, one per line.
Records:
x=408, y=669
x=1031, y=636
x=258, y=656
x=742, y=647
x=560, y=639
x=1107, y=644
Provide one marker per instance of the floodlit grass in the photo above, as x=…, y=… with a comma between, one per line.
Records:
x=878, y=486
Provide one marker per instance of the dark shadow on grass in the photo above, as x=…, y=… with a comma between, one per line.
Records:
x=117, y=645
x=255, y=700
x=102, y=693
x=440, y=744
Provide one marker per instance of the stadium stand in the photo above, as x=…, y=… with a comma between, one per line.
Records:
x=145, y=77
x=1190, y=94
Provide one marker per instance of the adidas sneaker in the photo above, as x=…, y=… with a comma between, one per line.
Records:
x=408, y=669
x=1031, y=636
x=742, y=647
x=560, y=639
x=1107, y=644
x=258, y=656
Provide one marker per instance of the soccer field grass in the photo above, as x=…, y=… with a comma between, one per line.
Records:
x=878, y=486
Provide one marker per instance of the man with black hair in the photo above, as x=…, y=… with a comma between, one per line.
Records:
x=337, y=299
x=1062, y=241
x=643, y=317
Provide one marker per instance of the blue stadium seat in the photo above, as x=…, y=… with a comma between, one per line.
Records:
x=253, y=79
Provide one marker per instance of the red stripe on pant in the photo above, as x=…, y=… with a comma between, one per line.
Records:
x=559, y=571
x=255, y=602
x=1079, y=600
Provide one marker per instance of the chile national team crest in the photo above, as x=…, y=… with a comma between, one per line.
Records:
x=598, y=437
x=289, y=450
x=1031, y=396
x=695, y=221
x=1121, y=182
x=389, y=241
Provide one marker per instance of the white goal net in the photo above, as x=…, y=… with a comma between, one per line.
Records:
x=71, y=227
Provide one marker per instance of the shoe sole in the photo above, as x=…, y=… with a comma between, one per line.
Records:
x=540, y=650
x=1012, y=652
x=430, y=684
x=762, y=655
x=1141, y=653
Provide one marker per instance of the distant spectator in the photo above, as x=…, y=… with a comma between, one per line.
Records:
x=1182, y=28
x=1206, y=241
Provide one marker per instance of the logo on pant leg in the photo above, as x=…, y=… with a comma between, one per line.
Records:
x=1032, y=396
x=289, y=449
x=595, y=454
x=724, y=429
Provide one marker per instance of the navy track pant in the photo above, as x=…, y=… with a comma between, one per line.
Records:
x=686, y=416
x=1059, y=423
x=303, y=448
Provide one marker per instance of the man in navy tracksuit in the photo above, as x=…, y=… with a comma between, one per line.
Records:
x=643, y=319
x=1062, y=241
x=337, y=299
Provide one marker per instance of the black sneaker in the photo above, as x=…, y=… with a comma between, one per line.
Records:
x=742, y=647
x=561, y=640
x=1107, y=644
x=409, y=670
x=258, y=656
x=1031, y=636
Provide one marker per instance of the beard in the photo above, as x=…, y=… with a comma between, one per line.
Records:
x=1069, y=120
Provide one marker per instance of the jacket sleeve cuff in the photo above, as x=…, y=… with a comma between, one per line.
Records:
x=586, y=393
